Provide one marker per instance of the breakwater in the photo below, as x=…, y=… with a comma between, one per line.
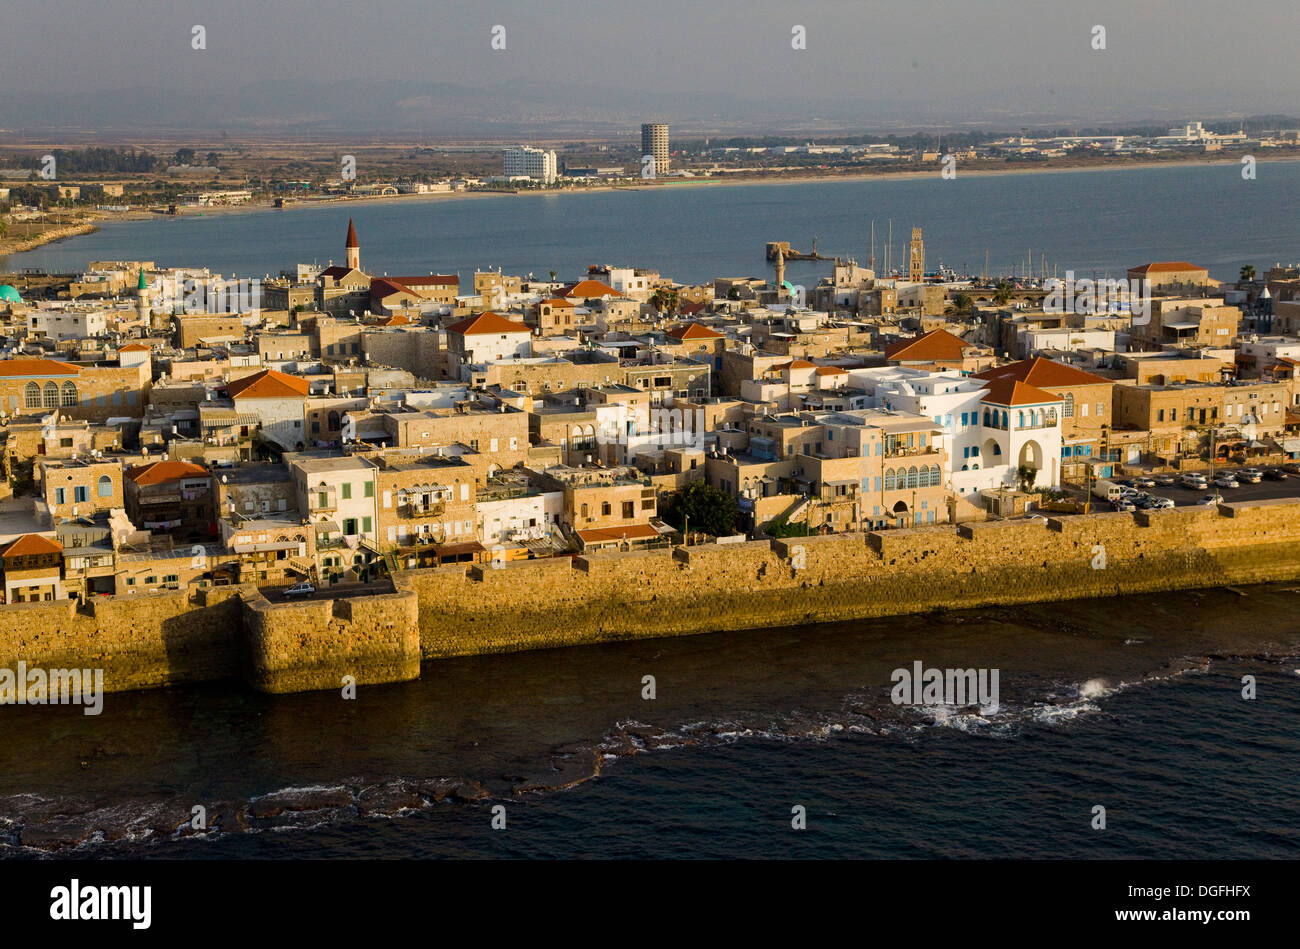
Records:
x=162, y=639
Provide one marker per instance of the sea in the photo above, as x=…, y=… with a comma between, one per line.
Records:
x=1175, y=714
x=1152, y=726
x=1097, y=223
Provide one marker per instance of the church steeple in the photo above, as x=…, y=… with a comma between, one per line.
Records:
x=353, y=248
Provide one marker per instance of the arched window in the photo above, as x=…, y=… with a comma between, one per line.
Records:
x=1004, y=418
x=912, y=477
x=334, y=421
x=50, y=395
x=68, y=394
x=997, y=449
x=1068, y=411
x=605, y=509
x=986, y=417
x=32, y=396
x=584, y=510
x=105, y=487
x=1020, y=419
x=890, y=480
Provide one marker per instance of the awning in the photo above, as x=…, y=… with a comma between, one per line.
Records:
x=258, y=548
x=455, y=550
x=1291, y=444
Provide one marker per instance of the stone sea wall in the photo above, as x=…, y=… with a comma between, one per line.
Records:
x=164, y=639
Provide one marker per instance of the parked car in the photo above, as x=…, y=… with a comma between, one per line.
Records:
x=1123, y=504
x=1212, y=499
x=1162, y=504
x=300, y=589
x=1293, y=468
x=1251, y=475
x=1166, y=480
x=1144, y=482
x=1276, y=474
x=1226, y=481
x=1193, y=480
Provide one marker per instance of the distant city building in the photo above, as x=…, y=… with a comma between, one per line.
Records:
x=654, y=141
x=524, y=160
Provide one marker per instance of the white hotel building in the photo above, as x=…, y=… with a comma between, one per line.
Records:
x=992, y=427
x=524, y=160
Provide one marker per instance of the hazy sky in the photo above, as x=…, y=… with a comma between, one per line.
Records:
x=977, y=57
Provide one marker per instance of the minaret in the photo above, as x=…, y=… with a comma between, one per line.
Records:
x=780, y=268
x=142, y=296
x=353, y=248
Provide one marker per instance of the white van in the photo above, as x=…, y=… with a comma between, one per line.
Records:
x=1107, y=490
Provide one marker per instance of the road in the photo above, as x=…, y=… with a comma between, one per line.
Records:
x=276, y=594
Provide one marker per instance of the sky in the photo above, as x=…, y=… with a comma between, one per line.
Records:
x=71, y=61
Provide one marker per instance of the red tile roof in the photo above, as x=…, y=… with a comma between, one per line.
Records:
x=161, y=472
x=831, y=371
x=693, y=331
x=1165, y=266
x=268, y=384
x=30, y=544
x=590, y=288
x=1044, y=373
x=135, y=348
x=1014, y=392
x=381, y=287
x=935, y=345
x=558, y=302
x=36, y=367
x=487, y=322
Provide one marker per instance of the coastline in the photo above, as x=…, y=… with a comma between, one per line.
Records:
x=224, y=633
x=724, y=181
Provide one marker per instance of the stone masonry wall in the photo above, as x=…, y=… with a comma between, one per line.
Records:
x=165, y=639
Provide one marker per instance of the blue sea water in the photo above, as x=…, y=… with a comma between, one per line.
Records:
x=1085, y=220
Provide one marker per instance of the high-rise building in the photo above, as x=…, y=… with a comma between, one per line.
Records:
x=654, y=141
x=534, y=162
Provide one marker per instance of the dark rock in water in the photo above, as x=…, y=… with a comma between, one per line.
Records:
x=383, y=799
x=469, y=791
x=279, y=802
x=436, y=791
x=56, y=835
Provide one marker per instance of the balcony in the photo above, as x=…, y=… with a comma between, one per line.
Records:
x=417, y=509
x=905, y=451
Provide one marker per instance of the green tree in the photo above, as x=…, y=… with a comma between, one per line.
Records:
x=1027, y=475
x=781, y=527
x=185, y=156
x=1247, y=274
x=962, y=303
x=1002, y=294
x=700, y=506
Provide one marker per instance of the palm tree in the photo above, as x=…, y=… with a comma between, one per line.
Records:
x=1247, y=274
x=1002, y=294
x=961, y=303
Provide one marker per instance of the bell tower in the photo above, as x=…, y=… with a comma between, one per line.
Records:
x=353, y=248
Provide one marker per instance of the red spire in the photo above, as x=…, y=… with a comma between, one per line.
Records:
x=352, y=235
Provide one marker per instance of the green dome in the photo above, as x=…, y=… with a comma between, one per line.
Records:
x=8, y=294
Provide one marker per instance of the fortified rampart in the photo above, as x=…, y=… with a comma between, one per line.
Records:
x=163, y=639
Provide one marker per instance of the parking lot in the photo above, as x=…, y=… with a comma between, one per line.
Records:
x=1183, y=496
